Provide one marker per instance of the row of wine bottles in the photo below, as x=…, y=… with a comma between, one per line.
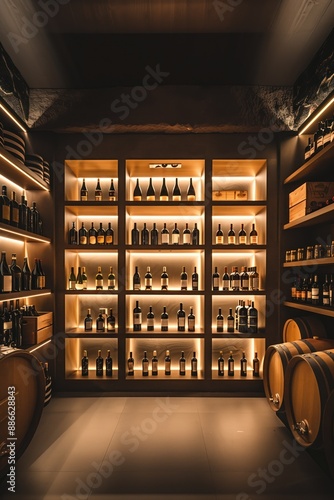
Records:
x=248, y=279
x=164, y=279
x=99, y=364
x=11, y=324
x=314, y=291
x=15, y=279
x=91, y=236
x=104, y=322
x=79, y=281
x=19, y=214
x=181, y=317
x=99, y=192
x=321, y=138
x=176, y=237
x=176, y=194
x=245, y=319
x=240, y=239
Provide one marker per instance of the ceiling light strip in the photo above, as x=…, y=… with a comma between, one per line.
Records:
x=315, y=118
x=12, y=118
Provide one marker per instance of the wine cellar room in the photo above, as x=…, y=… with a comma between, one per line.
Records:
x=167, y=235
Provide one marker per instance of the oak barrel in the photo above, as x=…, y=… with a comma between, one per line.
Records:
x=22, y=393
x=328, y=432
x=302, y=328
x=309, y=382
x=276, y=361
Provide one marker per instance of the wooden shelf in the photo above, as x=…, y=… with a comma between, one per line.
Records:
x=91, y=292
x=165, y=292
x=79, y=333
x=324, y=311
x=22, y=235
x=238, y=292
x=237, y=248
x=237, y=335
x=161, y=375
x=314, y=167
x=92, y=376
x=92, y=248
x=310, y=262
x=20, y=173
x=325, y=214
x=237, y=376
x=162, y=335
x=164, y=248
x=24, y=294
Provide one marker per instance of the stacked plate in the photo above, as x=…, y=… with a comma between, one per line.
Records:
x=15, y=144
x=1, y=135
x=35, y=164
x=46, y=172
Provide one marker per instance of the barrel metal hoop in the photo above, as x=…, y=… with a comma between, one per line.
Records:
x=321, y=369
x=310, y=345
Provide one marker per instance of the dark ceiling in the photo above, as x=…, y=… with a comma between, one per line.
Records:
x=106, y=43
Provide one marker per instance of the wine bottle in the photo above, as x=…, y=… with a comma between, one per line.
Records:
x=231, y=236
x=84, y=279
x=100, y=323
x=176, y=194
x=83, y=191
x=154, y=364
x=191, y=320
x=235, y=279
x=325, y=292
x=131, y=365
x=16, y=325
x=243, y=365
x=112, y=191
x=79, y=282
x=182, y=364
x=194, y=279
x=136, y=282
x=84, y=364
x=73, y=235
x=230, y=364
x=145, y=365
x=168, y=363
x=220, y=321
x=253, y=236
x=186, y=236
x=98, y=191
x=23, y=213
x=109, y=235
x=164, y=279
x=145, y=235
x=331, y=292
x=164, y=235
x=193, y=364
x=191, y=195
x=150, y=320
x=256, y=366
x=164, y=196
x=34, y=218
x=71, y=280
x=99, y=364
x=36, y=281
x=221, y=364
x=252, y=319
x=181, y=319
x=315, y=291
x=225, y=280
x=154, y=235
x=307, y=151
x=244, y=279
x=14, y=211
x=137, y=318
x=242, y=236
x=92, y=235
x=230, y=322
x=254, y=280
x=4, y=206
x=215, y=279
x=16, y=274
x=88, y=321
x=26, y=275
x=111, y=321
x=111, y=279
x=41, y=274
x=150, y=193
x=148, y=279
x=101, y=235
x=195, y=235
x=164, y=320
x=83, y=235
x=219, y=236
x=184, y=279
x=242, y=319
x=109, y=360
x=135, y=235
x=175, y=235
x=99, y=279
x=137, y=194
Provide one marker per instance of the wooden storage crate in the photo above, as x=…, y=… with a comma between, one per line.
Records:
x=309, y=197
x=36, y=329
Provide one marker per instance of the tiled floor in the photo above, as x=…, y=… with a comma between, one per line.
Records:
x=162, y=448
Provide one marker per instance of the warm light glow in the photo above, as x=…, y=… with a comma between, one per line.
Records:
x=184, y=218
x=35, y=294
x=12, y=118
x=316, y=116
x=23, y=172
x=31, y=236
x=41, y=345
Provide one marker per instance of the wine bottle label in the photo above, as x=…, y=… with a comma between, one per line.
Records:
x=255, y=284
x=184, y=284
x=226, y=284
x=195, y=285
x=111, y=284
x=6, y=212
x=221, y=366
x=191, y=197
x=230, y=323
x=231, y=366
x=167, y=366
x=164, y=282
x=108, y=239
x=7, y=283
x=315, y=293
x=88, y=324
x=220, y=323
x=253, y=240
x=98, y=197
x=154, y=366
x=78, y=286
x=148, y=283
x=92, y=240
x=84, y=287
x=83, y=240
x=150, y=198
x=110, y=326
x=216, y=282
x=186, y=238
x=130, y=366
x=242, y=240
x=163, y=198
x=235, y=283
x=219, y=240
x=181, y=321
x=136, y=286
x=164, y=238
x=182, y=366
x=231, y=240
x=100, y=240
x=99, y=283
x=15, y=215
x=137, y=318
x=7, y=325
x=145, y=366
x=164, y=322
x=176, y=197
x=191, y=324
x=150, y=322
x=40, y=283
x=137, y=198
